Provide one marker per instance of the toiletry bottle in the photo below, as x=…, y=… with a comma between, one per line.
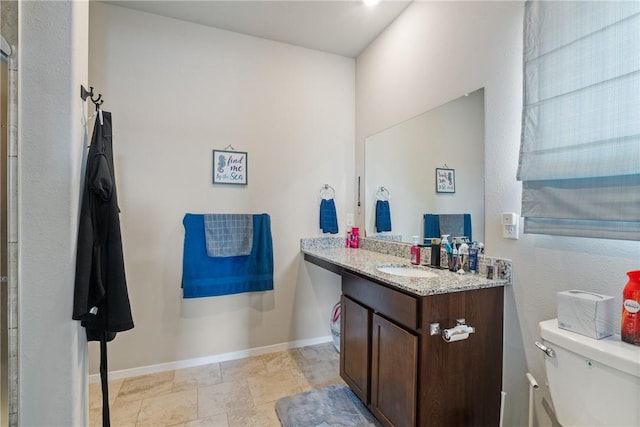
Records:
x=473, y=257
x=348, y=244
x=464, y=256
x=355, y=237
x=630, y=331
x=444, y=254
x=435, y=252
x=454, y=264
x=415, y=252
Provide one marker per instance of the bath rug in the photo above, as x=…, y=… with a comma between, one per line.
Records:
x=331, y=406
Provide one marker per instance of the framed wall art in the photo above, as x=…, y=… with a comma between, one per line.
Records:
x=445, y=180
x=230, y=167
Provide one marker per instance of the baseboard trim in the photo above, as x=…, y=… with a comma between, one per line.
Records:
x=198, y=361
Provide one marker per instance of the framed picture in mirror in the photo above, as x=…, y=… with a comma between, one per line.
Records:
x=445, y=180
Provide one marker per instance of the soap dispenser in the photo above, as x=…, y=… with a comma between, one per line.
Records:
x=415, y=252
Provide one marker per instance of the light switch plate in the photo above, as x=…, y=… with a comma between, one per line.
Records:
x=509, y=218
x=349, y=219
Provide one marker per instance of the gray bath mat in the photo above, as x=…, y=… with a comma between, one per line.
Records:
x=327, y=407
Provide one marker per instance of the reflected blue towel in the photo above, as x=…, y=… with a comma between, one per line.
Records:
x=452, y=224
x=431, y=226
x=456, y=225
x=203, y=276
x=467, y=226
x=383, y=216
x=461, y=224
x=228, y=234
x=328, y=217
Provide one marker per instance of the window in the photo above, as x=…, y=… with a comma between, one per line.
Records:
x=580, y=146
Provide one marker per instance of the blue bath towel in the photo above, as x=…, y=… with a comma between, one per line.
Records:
x=383, y=216
x=328, y=217
x=204, y=276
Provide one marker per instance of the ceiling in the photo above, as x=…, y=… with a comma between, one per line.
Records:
x=343, y=27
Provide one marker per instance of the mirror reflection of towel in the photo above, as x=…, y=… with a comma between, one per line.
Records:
x=455, y=225
x=328, y=217
x=431, y=226
x=383, y=216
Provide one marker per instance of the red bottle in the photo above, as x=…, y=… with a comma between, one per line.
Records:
x=631, y=309
x=415, y=252
x=355, y=237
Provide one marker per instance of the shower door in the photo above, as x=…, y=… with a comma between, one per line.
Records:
x=8, y=228
x=3, y=237
x=4, y=134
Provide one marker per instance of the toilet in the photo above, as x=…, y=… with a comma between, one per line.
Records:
x=592, y=382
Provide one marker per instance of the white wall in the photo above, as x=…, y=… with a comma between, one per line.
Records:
x=177, y=91
x=52, y=63
x=434, y=52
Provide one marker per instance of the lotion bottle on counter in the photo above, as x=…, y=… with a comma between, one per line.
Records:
x=415, y=252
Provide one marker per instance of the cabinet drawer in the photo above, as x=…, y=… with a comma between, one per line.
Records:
x=399, y=307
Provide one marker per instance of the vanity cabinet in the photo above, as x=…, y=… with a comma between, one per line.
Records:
x=355, y=338
x=394, y=373
x=406, y=376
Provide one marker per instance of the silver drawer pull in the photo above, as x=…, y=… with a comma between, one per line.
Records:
x=547, y=350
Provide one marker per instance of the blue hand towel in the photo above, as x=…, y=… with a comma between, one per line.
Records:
x=228, y=234
x=383, y=216
x=328, y=217
x=431, y=226
x=204, y=276
x=467, y=226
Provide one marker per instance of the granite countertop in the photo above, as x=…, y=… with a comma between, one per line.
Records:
x=365, y=263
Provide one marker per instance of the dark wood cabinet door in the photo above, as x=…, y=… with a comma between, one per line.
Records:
x=354, y=347
x=394, y=373
x=461, y=381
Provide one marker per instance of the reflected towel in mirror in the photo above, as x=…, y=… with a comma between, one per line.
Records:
x=383, y=216
x=455, y=225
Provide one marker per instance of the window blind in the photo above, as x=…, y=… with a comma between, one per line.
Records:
x=580, y=142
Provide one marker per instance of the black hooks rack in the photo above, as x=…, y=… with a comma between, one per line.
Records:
x=84, y=94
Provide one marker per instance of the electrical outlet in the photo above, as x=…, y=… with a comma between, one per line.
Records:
x=349, y=219
x=510, y=231
x=510, y=222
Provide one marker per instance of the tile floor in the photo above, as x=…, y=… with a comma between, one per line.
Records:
x=238, y=393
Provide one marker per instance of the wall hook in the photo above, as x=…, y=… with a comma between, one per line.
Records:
x=84, y=94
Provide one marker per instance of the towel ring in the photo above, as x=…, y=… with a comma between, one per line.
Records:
x=382, y=194
x=327, y=192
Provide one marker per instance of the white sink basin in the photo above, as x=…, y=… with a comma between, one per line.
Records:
x=406, y=271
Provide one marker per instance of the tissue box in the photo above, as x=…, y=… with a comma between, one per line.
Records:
x=586, y=313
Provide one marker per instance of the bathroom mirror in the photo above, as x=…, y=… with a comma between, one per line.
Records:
x=403, y=159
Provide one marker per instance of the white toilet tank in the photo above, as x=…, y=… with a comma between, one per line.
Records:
x=592, y=382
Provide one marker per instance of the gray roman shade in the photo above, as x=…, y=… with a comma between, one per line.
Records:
x=580, y=147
